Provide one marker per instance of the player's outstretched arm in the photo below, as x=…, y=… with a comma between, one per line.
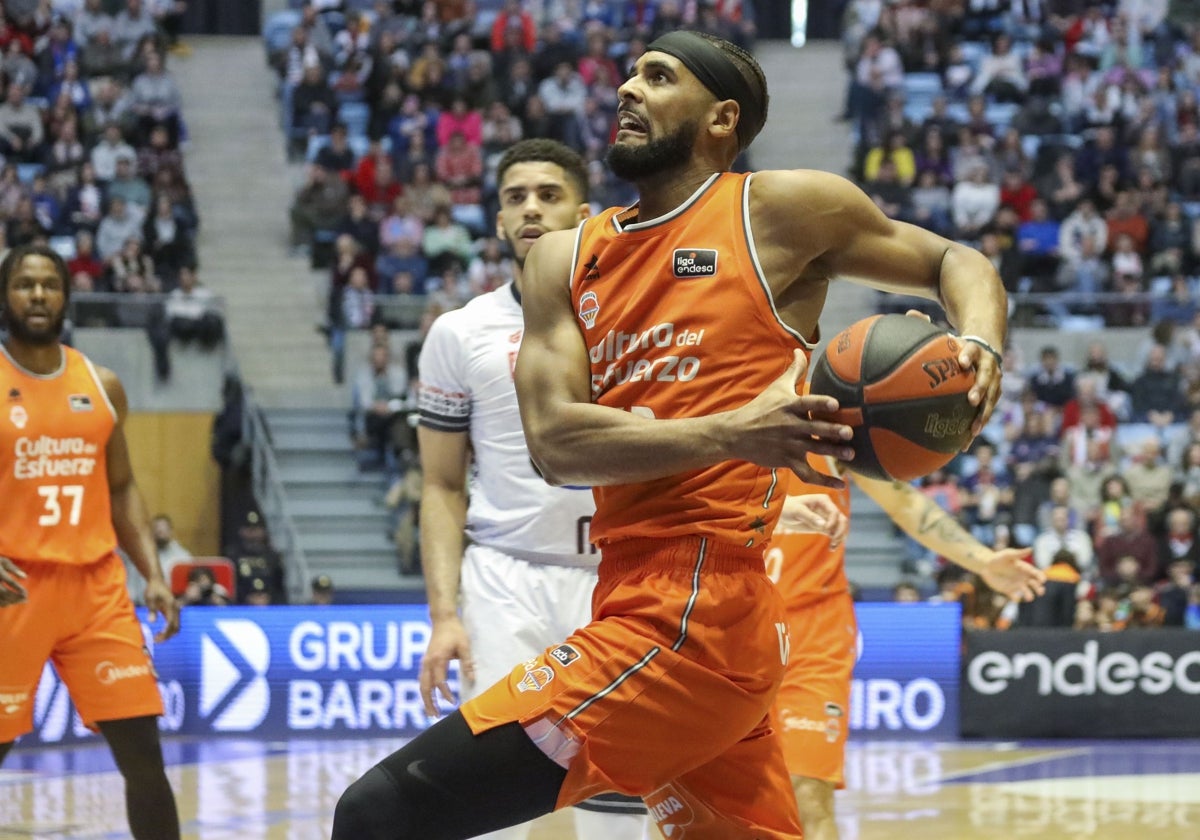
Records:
x=1007, y=571
x=129, y=517
x=825, y=222
x=573, y=441
x=443, y=518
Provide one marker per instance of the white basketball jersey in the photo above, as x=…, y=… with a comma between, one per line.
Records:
x=466, y=366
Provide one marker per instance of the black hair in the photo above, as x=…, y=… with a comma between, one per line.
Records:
x=548, y=151
x=752, y=73
x=13, y=259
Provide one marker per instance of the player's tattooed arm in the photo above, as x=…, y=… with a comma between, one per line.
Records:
x=1007, y=571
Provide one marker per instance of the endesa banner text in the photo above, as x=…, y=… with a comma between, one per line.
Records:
x=1050, y=684
x=314, y=671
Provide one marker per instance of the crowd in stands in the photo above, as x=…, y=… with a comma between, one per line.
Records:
x=1061, y=137
x=90, y=162
x=1097, y=471
x=402, y=110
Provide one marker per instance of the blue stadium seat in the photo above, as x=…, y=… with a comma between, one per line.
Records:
x=26, y=172
x=277, y=30
x=1030, y=143
x=974, y=51
x=1000, y=114
x=64, y=246
x=922, y=84
x=356, y=116
x=1191, y=209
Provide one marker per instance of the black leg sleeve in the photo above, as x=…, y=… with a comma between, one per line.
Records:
x=448, y=784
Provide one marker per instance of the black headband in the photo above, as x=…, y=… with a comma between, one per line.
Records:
x=717, y=72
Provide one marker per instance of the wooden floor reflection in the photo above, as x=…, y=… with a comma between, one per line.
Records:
x=239, y=790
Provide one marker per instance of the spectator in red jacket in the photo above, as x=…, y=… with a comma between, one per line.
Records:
x=512, y=15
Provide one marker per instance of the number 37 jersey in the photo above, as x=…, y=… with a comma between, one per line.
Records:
x=54, y=431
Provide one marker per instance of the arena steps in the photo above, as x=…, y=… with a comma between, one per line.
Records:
x=341, y=521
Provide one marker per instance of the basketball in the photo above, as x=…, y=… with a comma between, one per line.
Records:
x=899, y=385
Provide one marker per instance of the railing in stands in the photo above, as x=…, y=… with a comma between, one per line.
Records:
x=135, y=310
x=267, y=486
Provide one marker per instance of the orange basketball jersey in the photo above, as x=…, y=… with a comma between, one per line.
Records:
x=54, y=430
x=680, y=322
x=803, y=565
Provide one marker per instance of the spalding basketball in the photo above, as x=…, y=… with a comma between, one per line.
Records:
x=899, y=385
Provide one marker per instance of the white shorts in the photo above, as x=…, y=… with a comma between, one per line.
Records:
x=514, y=610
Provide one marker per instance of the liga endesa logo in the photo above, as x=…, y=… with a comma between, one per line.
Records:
x=1085, y=673
x=234, y=658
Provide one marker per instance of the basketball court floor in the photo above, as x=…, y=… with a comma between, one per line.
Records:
x=239, y=790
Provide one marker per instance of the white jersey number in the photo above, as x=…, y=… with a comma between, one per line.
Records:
x=54, y=508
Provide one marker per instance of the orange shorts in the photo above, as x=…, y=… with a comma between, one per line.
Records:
x=81, y=619
x=812, y=708
x=666, y=693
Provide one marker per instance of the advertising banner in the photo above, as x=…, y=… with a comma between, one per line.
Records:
x=1066, y=684
x=278, y=672
x=906, y=680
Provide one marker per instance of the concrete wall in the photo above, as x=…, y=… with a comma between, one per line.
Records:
x=196, y=378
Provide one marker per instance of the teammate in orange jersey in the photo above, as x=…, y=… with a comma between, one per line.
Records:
x=807, y=562
x=69, y=497
x=662, y=351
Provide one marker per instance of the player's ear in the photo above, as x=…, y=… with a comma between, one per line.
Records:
x=584, y=211
x=724, y=118
x=500, y=234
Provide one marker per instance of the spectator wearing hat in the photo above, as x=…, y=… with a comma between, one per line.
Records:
x=127, y=184
x=322, y=591
x=258, y=593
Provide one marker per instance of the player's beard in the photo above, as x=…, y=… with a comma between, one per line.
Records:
x=16, y=328
x=654, y=157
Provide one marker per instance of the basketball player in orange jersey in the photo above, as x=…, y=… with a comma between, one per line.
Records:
x=806, y=560
x=663, y=348
x=69, y=497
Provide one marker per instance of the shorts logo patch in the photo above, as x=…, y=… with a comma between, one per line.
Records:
x=671, y=811
x=694, y=262
x=12, y=699
x=108, y=673
x=564, y=655
x=536, y=679
x=833, y=710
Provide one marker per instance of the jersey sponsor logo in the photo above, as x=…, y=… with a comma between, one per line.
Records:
x=694, y=262
x=671, y=811
x=564, y=655
x=108, y=673
x=535, y=679
x=234, y=659
x=79, y=402
x=515, y=338
x=833, y=709
x=12, y=699
x=589, y=308
x=18, y=416
x=14, y=394
x=50, y=457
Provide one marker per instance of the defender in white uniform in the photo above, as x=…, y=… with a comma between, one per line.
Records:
x=525, y=580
